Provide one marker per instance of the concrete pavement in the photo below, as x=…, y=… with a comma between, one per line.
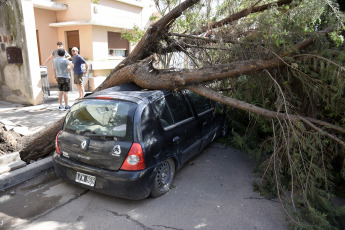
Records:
x=28, y=120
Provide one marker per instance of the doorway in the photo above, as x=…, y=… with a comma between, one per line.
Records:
x=73, y=40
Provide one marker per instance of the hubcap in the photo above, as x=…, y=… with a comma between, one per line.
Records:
x=164, y=176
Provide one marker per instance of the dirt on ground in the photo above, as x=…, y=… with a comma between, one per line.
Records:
x=10, y=141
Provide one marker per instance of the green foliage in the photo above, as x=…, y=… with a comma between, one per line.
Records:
x=296, y=162
x=152, y=18
x=337, y=38
x=133, y=36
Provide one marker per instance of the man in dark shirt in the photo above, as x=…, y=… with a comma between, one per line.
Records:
x=54, y=54
x=78, y=72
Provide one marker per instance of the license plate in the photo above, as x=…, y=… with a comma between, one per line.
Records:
x=85, y=179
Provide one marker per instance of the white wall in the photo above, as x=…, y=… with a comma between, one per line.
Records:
x=20, y=82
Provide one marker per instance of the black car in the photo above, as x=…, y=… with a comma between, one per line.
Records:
x=130, y=143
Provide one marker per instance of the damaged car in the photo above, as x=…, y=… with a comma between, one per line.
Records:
x=129, y=143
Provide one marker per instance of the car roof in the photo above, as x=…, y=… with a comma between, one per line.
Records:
x=128, y=92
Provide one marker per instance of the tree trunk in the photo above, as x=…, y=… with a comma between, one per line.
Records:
x=43, y=144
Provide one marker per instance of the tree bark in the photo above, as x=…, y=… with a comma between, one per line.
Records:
x=43, y=144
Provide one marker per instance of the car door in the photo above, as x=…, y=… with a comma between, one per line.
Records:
x=180, y=128
x=205, y=112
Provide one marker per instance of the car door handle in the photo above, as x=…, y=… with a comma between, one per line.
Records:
x=204, y=123
x=176, y=140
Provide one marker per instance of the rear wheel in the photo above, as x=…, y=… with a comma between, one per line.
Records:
x=164, y=178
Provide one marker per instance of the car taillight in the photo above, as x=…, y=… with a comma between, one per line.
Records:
x=135, y=159
x=57, y=149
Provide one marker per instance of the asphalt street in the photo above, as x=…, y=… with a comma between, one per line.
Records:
x=214, y=191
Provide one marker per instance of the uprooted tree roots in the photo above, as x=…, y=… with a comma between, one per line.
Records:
x=10, y=141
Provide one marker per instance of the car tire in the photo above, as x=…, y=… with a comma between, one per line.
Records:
x=224, y=130
x=164, y=178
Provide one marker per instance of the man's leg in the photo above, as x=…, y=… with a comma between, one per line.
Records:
x=60, y=97
x=65, y=97
x=81, y=90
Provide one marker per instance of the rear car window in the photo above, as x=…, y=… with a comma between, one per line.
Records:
x=101, y=117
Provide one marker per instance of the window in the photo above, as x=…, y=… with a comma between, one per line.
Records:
x=163, y=112
x=101, y=117
x=172, y=109
x=179, y=107
x=117, y=46
x=200, y=103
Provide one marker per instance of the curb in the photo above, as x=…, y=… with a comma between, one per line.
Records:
x=22, y=174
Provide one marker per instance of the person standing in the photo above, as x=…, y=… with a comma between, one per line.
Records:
x=54, y=54
x=61, y=66
x=78, y=72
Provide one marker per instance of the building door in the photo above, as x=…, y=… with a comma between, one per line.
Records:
x=72, y=40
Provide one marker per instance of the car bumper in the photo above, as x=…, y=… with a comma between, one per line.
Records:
x=134, y=185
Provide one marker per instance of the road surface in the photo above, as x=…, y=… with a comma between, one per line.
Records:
x=214, y=191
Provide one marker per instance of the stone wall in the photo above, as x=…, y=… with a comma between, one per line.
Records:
x=20, y=80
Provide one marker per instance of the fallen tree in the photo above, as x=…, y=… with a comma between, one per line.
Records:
x=138, y=68
x=241, y=55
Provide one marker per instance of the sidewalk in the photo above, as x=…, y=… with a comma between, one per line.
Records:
x=28, y=120
x=37, y=117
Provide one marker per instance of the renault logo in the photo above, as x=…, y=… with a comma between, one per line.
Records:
x=85, y=144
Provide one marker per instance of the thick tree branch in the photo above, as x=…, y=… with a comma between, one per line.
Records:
x=148, y=44
x=210, y=93
x=147, y=79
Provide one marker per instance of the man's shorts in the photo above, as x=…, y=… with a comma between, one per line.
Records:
x=64, y=84
x=78, y=79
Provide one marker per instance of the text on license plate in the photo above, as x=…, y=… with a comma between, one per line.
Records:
x=85, y=179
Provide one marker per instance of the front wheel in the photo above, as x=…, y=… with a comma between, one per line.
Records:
x=164, y=178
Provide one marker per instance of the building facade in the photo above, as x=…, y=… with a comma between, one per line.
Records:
x=94, y=26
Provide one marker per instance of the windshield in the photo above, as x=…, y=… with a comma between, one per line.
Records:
x=112, y=118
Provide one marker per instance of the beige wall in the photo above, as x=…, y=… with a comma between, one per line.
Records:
x=100, y=42
x=117, y=13
x=78, y=10
x=47, y=36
